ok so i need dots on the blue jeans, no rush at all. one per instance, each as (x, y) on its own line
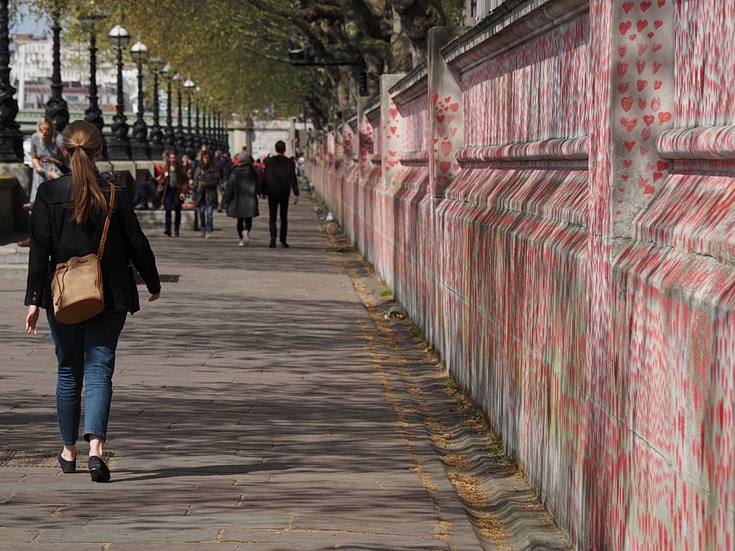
(209, 211)
(86, 354)
(169, 203)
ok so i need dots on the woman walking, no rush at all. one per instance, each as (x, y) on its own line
(46, 159)
(206, 181)
(241, 196)
(67, 221)
(173, 183)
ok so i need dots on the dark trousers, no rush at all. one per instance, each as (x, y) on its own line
(169, 205)
(244, 223)
(274, 204)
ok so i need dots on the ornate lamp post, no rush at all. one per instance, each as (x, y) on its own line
(156, 138)
(198, 135)
(169, 139)
(119, 147)
(56, 108)
(180, 136)
(11, 138)
(93, 113)
(189, 86)
(139, 51)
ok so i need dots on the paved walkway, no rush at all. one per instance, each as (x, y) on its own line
(263, 403)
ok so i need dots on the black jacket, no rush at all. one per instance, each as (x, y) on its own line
(55, 238)
(279, 177)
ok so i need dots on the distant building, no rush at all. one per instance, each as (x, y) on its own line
(31, 70)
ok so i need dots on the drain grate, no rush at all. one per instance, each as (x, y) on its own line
(38, 458)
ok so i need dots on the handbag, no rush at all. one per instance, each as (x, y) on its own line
(76, 286)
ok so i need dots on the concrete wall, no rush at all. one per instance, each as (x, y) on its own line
(550, 196)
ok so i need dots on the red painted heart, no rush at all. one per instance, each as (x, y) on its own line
(641, 24)
(625, 27)
(444, 166)
(661, 165)
(629, 146)
(627, 103)
(622, 69)
(628, 124)
(446, 148)
(664, 116)
(645, 6)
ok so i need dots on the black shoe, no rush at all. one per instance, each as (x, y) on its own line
(176, 234)
(67, 466)
(284, 245)
(273, 244)
(168, 233)
(98, 470)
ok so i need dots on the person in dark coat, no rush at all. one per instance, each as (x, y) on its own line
(279, 179)
(68, 220)
(241, 196)
(173, 183)
(206, 182)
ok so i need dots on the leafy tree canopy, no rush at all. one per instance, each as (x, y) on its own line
(236, 51)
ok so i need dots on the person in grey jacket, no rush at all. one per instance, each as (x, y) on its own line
(240, 197)
(206, 181)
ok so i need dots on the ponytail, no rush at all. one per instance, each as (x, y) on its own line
(82, 140)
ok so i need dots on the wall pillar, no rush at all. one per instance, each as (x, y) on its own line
(445, 109)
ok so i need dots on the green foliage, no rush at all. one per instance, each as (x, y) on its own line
(237, 52)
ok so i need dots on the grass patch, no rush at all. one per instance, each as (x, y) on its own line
(386, 293)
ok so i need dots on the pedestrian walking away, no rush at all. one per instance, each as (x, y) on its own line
(279, 179)
(240, 197)
(173, 183)
(206, 182)
(68, 218)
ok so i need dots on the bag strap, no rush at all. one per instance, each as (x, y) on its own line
(101, 248)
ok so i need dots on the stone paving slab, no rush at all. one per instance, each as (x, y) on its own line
(254, 408)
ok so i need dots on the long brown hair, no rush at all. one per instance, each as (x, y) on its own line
(82, 140)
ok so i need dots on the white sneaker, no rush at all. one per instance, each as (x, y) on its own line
(246, 239)
(203, 234)
(207, 236)
(241, 243)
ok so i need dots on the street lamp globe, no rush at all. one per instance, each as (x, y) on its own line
(139, 52)
(119, 37)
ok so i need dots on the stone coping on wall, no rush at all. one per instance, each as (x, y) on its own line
(372, 109)
(560, 149)
(506, 27)
(414, 84)
(414, 158)
(711, 143)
